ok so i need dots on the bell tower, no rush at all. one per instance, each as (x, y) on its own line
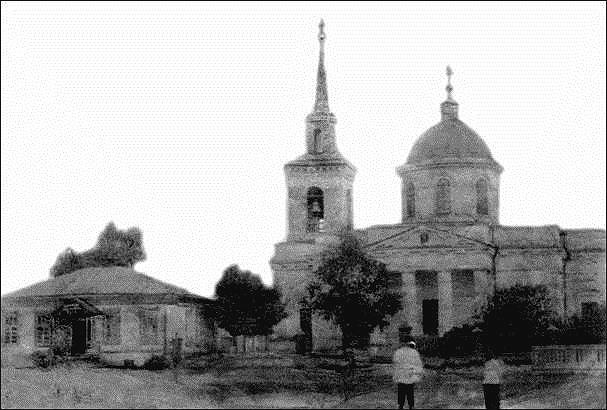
(319, 182)
(319, 209)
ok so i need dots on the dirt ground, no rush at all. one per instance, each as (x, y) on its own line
(84, 385)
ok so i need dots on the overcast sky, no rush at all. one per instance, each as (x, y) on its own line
(178, 118)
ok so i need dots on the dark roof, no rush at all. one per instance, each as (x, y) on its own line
(113, 280)
(450, 139)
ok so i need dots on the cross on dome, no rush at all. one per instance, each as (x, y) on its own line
(449, 87)
(321, 31)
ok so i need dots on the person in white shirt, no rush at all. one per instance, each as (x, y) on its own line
(493, 373)
(408, 369)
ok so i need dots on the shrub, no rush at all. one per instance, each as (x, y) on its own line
(427, 345)
(463, 340)
(43, 358)
(157, 362)
(300, 343)
(585, 329)
(517, 318)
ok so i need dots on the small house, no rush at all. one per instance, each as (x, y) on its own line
(123, 316)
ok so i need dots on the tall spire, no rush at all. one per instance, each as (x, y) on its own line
(322, 97)
(449, 107)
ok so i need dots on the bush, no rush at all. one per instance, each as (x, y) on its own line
(463, 340)
(585, 329)
(517, 318)
(300, 343)
(427, 345)
(43, 358)
(157, 362)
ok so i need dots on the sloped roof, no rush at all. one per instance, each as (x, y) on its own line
(113, 280)
(334, 158)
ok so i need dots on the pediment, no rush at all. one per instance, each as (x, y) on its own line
(425, 237)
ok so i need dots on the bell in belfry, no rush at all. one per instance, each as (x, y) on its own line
(321, 225)
(316, 207)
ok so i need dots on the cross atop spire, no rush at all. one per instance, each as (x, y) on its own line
(449, 107)
(321, 31)
(322, 98)
(449, 87)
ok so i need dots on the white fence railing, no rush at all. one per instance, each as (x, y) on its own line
(569, 358)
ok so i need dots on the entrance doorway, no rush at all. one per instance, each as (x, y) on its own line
(78, 337)
(430, 316)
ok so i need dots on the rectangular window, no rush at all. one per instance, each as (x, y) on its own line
(148, 326)
(463, 283)
(43, 330)
(111, 333)
(11, 327)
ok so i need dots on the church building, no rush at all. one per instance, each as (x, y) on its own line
(450, 248)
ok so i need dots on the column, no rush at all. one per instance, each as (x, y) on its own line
(481, 288)
(445, 301)
(410, 306)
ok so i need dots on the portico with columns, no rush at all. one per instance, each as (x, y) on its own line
(446, 278)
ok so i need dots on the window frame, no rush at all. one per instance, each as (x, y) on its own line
(149, 326)
(10, 321)
(443, 196)
(410, 200)
(112, 324)
(482, 197)
(43, 331)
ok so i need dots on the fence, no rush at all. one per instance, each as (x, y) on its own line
(569, 358)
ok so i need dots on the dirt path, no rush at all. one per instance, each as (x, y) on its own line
(91, 387)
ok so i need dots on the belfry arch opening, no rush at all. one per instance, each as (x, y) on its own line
(316, 209)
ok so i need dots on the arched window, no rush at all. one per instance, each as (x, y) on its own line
(443, 197)
(482, 200)
(410, 194)
(316, 209)
(317, 148)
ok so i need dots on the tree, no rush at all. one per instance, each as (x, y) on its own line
(355, 291)
(119, 247)
(68, 261)
(516, 318)
(114, 247)
(246, 306)
(271, 310)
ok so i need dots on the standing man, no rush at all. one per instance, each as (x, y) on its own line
(408, 369)
(493, 373)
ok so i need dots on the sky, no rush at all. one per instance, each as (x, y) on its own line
(178, 118)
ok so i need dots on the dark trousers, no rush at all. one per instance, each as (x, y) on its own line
(492, 396)
(405, 390)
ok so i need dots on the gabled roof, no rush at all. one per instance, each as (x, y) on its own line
(113, 280)
(409, 237)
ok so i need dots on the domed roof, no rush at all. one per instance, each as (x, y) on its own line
(449, 140)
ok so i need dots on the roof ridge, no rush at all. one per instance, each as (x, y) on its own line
(100, 280)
